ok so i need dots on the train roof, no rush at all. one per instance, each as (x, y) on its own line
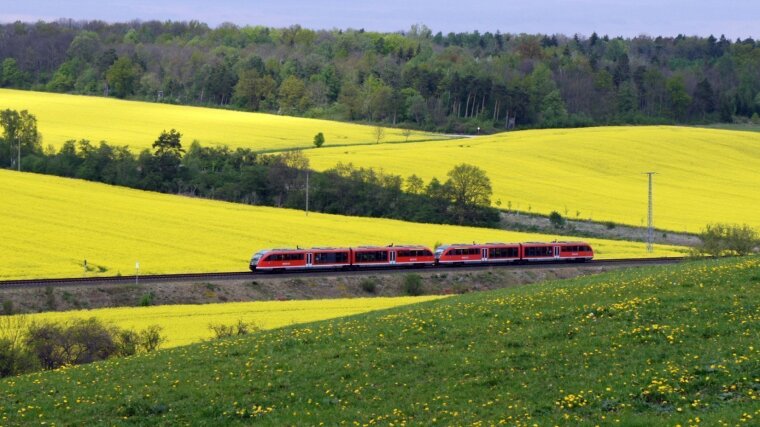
(479, 244)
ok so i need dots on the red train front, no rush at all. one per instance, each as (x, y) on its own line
(339, 258)
(298, 259)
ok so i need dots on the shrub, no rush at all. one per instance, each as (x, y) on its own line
(48, 345)
(413, 284)
(241, 328)
(81, 341)
(222, 331)
(7, 307)
(556, 220)
(728, 239)
(147, 299)
(319, 139)
(14, 360)
(369, 285)
(127, 342)
(151, 338)
(610, 225)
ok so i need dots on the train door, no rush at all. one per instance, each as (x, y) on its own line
(556, 252)
(392, 257)
(309, 259)
(484, 254)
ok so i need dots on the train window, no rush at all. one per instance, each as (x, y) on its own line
(373, 256)
(502, 253)
(331, 258)
(538, 251)
(405, 254)
(422, 252)
(586, 248)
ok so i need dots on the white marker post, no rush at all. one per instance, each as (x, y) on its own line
(137, 271)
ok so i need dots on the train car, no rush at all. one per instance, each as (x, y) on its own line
(384, 256)
(461, 253)
(301, 259)
(556, 251)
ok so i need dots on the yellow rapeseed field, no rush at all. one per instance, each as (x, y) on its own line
(50, 225)
(186, 324)
(138, 124)
(703, 175)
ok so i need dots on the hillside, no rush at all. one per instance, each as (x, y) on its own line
(53, 224)
(453, 82)
(703, 175)
(660, 346)
(138, 124)
(184, 324)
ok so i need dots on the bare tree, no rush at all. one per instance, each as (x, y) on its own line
(379, 133)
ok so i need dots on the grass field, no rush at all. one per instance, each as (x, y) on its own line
(50, 225)
(703, 175)
(668, 346)
(187, 324)
(138, 124)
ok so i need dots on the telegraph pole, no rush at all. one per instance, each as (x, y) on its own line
(307, 192)
(650, 218)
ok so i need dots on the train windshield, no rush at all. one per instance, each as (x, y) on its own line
(439, 251)
(257, 256)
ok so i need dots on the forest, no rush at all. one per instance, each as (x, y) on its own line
(457, 82)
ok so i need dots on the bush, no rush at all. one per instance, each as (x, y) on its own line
(147, 299)
(241, 328)
(151, 338)
(728, 239)
(557, 220)
(127, 342)
(7, 307)
(14, 360)
(369, 285)
(319, 139)
(49, 345)
(413, 284)
(82, 341)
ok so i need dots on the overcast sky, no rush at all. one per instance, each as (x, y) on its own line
(734, 18)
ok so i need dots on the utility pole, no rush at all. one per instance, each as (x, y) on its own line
(650, 218)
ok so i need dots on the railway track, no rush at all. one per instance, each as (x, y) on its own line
(238, 275)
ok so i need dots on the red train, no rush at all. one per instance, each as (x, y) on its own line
(418, 256)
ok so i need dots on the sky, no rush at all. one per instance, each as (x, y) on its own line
(628, 18)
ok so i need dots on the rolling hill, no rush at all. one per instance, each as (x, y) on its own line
(137, 124)
(673, 345)
(703, 175)
(50, 225)
(184, 324)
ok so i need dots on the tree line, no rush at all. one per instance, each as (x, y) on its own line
(457, 82)
(243, 176)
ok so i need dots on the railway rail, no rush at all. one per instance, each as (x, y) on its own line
(240, 275)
